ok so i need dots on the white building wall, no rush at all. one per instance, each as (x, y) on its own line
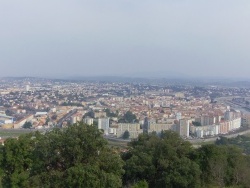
(88, 121)
(222, 128)
(103, 123)
(133, 128)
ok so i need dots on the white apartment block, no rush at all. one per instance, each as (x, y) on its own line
(133, 128)
(103, 123)
(183, 127)
(158, 127)
(88, 121)
(220, 128)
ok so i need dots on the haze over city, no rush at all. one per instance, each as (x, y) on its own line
(125, 93)
(123, 38)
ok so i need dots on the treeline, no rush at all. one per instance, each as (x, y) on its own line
(169, 161)
(79, 156)
(241, 141)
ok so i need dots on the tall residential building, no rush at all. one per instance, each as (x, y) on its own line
(223, 127)
(150, 125)
(75, 118)
(88, 121)
(229, 115)
(178, 116)
(103, 123)
(158, 127)
(208, 120)
(147, 123)
(183, 128)
(133, 129)
(27, 87)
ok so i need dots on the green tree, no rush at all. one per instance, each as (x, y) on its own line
(54, 117)
(128, 117)
(237, 168)
(141, 184)
(16, 161)
(126, 135)
(77, 156)
(47, 121)
(161, 161)
(95, 123)
(222, 141)
(223, 166)
(109, 113)
(89, 114)
(9, 112)
(79, 150)
(27, 125)
(196, 123)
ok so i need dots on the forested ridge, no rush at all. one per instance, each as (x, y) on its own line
(79, 156)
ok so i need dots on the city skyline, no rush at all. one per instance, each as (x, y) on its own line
(125, 38)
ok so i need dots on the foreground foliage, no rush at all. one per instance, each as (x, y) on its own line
(169, 161)
(240, 141)
(74, 157)
(79, 156)
(162, 161)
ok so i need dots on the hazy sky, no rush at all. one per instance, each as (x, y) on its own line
(123, 37)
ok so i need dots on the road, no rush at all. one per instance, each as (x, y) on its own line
(59, 123)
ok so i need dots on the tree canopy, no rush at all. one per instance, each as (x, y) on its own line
(161, 161)
(223, 166)
(27, 125)
(169, 161)
(126, 135)
(128, 117)
(196, 123)
(241, 141)
(110, 114)
(77, 156)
